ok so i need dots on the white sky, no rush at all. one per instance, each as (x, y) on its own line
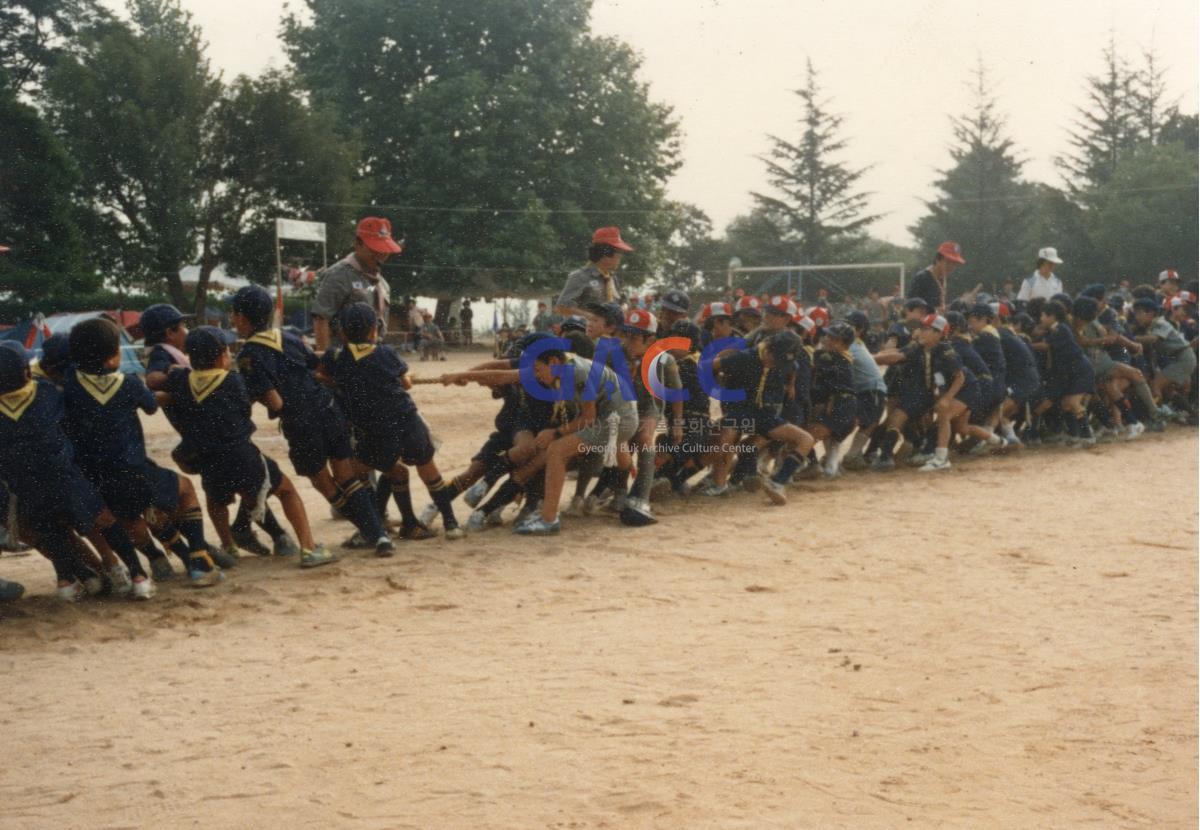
(894, 68)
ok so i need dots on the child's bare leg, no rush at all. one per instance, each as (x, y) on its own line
(557, 456)
(293, 508)
(219, 513)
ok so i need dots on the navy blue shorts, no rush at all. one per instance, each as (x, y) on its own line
(65, 497)
(314, 442)
(409, 444)
(751, 420)
(969, 395)
(869, 409)
(239, 470)
(1024, 389)
(839, 416)
(915, 401)
(497, 443)
(797, 412)
(130, 492)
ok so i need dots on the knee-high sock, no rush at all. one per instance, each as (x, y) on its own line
(645, 473)
(172, 539)
(887, 444)
(356, 500)
(191, 525)
(443, 496)
(383, 492)
(505, 494)
(119, 541)
(403, 499)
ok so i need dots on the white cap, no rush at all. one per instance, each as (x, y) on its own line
(1168, 275)
(1050, 255)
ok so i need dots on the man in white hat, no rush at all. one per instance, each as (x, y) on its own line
(1042, 282)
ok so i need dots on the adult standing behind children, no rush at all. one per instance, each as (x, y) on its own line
(1042, 282)
(929, 284)
(356, 279)
(597, 281)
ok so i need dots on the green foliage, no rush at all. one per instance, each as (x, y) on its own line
(34, 33)
(133, 109)
(817, 210)
(37, 216)
(496, 135)
(982, 203)
(1145, 218)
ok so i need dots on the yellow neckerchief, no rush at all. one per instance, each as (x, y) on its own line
(14, 403)
(762, 380)
(692, 357)
(610, 291)
(101, 387)
(271, 338)
(360, 350)
(36, 370)
(203, 382)
(928, 366)
(989, 329)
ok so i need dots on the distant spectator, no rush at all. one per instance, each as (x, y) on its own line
(929, 284)
(543, 319)
(1042, 282)
(431, 338)
(466, 316)
(876, 312)
(415, 320)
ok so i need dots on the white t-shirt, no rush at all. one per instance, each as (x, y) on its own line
(1036, 285)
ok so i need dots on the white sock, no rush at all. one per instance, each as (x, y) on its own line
(1008, 432)
(858, 442)
(995, 439)
(941, 453)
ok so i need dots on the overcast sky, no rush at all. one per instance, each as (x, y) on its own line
(894, 68)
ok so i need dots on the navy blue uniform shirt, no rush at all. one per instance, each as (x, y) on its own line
(102, 419)
(212, 409)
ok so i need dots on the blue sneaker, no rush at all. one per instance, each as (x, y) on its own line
(538, 526)
(204, 579)
(10, 591)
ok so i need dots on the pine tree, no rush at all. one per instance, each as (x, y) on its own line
(1108, 128)
(822, 215)
(982, 202)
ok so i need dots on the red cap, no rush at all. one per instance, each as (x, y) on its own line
(640, 321)
(805, 323)
(750, 303)
(376, 234)
(610, 236)
(782, 305)
(951, 251)
(819, 315)
(716, 310)
(936, 322)
(1003, 310)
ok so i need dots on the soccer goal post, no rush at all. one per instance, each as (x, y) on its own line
(797, 272)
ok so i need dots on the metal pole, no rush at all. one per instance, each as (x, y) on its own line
(278, 279)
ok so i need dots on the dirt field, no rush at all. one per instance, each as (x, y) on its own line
(1012, 643)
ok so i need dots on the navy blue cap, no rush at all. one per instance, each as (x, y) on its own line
(610, 313)
(156, 320)
(688, 329)
(255, 304)
(676, 301)
(205, 344)
(1145, 304)
(841, 331)
(56, 351)
(13, 367)
(956, 320)
(981, 310)
(784, 345)
(573, 323)
(858, 319)
(1095, 291)
(1065, 299)
(1085, 308)
(356, 321)
(900, 332)
(1116, 302)
(518, 348)
(915, 302)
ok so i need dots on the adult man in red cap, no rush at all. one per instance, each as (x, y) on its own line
(929, 284)
(595, 282)
(356, 279)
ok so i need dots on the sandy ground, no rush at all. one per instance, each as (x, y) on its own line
(1012, 643)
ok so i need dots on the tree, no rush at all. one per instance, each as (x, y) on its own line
(1107, 129)
(495, 135)
(268, 155)
(37, 216)
(33, 33)
(1145, 218)
(818, 207)
(982, 203)
(133, 110)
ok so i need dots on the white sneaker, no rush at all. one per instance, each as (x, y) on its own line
(144, 589)
(934, 464)
(70, 593)
(1134, 431)
(93, 585)
(576, 507)
(475, 493)
(428, 514)
(118, 577)
(917, 459)
(775, 491)
(476, 522)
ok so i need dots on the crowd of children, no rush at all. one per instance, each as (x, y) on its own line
(771, 393)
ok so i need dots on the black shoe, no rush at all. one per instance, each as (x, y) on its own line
(161, 570)
(247, 540)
